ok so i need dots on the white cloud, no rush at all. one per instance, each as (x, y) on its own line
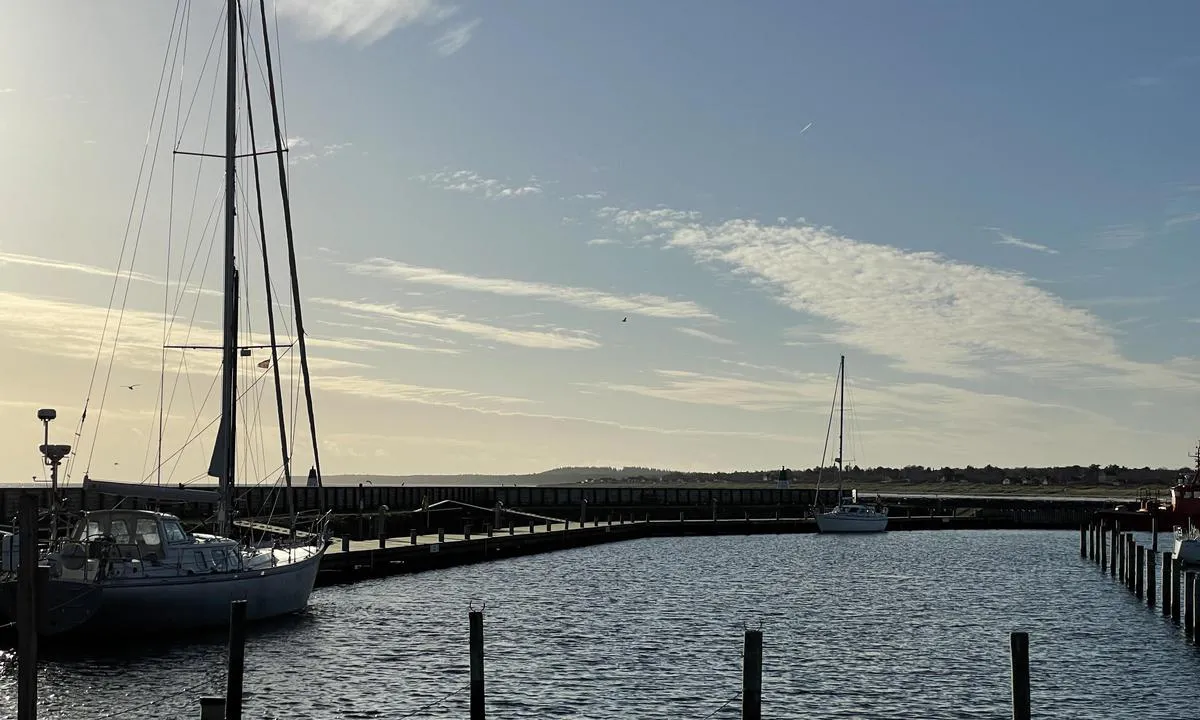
(7, 90)
(1006, 239)
(697, 333)
(548, 339)
(928, 313)
(601, 241)
(648, 225)
(468, 181)
(296, 142)
(367, 344)
(642, 304)
(362, 20)
(454, 39)
(597, 195)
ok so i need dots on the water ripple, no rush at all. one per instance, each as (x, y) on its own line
(903, 625)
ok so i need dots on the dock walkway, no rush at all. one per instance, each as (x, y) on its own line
(348, 560)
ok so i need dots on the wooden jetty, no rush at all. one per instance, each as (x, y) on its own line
(1111, 546)
(350, 559)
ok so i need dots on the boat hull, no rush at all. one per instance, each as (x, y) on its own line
(835, 522)
(187, 603)
(1187, 551)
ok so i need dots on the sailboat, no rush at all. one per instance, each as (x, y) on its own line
(847, 517)
(136, 571)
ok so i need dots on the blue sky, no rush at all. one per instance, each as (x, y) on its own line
(990, 209)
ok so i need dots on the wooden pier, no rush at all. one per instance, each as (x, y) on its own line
(349, 559)
(1105, 542)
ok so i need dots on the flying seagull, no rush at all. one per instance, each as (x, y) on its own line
(133, 385)
(624, 318)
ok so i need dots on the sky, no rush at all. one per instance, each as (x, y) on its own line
(535, 234)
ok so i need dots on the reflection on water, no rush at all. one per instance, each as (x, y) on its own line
(901, 625)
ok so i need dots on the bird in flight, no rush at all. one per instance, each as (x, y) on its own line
(624, 318)
(133, 385)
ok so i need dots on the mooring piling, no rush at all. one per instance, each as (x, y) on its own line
(1019, 646)
(752, 676)
(27, 614)
(237, 660)
(476, 639)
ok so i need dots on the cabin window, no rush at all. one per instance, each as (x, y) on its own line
(120, 531)
(174, 532)
(201, 562)
(220, 561)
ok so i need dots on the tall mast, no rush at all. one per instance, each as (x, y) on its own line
(841, 423)
(225, 432)
(287, 226)
(262, 235)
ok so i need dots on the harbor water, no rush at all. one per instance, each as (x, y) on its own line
(899, 625)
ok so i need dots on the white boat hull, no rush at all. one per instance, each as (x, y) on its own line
(845, 522)
(1187, 550)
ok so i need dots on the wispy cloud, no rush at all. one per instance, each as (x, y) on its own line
(1184, 219)
(1118, 237)
(1006, 239)
(601, 241)
(468, 181)
(547, 339)
(697, 333)
(7, 258)
(648, 225)
(456, 38)
(1147, 81)
(642, 304)
(296, 142)
(925, 312)
(7, 90)
(368, 344)
(362, 20)
(597, 195)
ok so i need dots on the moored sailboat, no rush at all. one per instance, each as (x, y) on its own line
(135, 571)
(847, 517)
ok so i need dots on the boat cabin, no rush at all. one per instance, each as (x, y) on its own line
(144, 543)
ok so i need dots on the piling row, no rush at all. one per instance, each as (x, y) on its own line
(1117, 553)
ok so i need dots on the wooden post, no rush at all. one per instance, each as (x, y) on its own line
(345, 543)
(1019, 644)
(1119, 556)
(441, 535)
(1175, 572)
(382, 541)
(1112, 551)
(582, 513)
(1083, 540)
(1189, 603)
(1130, 559)
(27, 635)
(1103, 548)
(1140, 580)
(412, 536)
(487, 527)
(566, 524)
(467, 532)
(212, 708)
(512, 529)
(530, 527)
(237, 660)
(1154, 533)
(680, 516)
(476, 665)
(1166, 584)
(752, 676)
(1150, 575)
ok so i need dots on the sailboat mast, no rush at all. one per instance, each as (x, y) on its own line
(841, 423)
(291, 247)
(225, 433)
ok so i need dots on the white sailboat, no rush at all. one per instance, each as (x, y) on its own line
(847, 517)
(136, 571)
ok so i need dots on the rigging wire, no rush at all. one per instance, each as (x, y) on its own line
(120, 262)
(829, 427)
